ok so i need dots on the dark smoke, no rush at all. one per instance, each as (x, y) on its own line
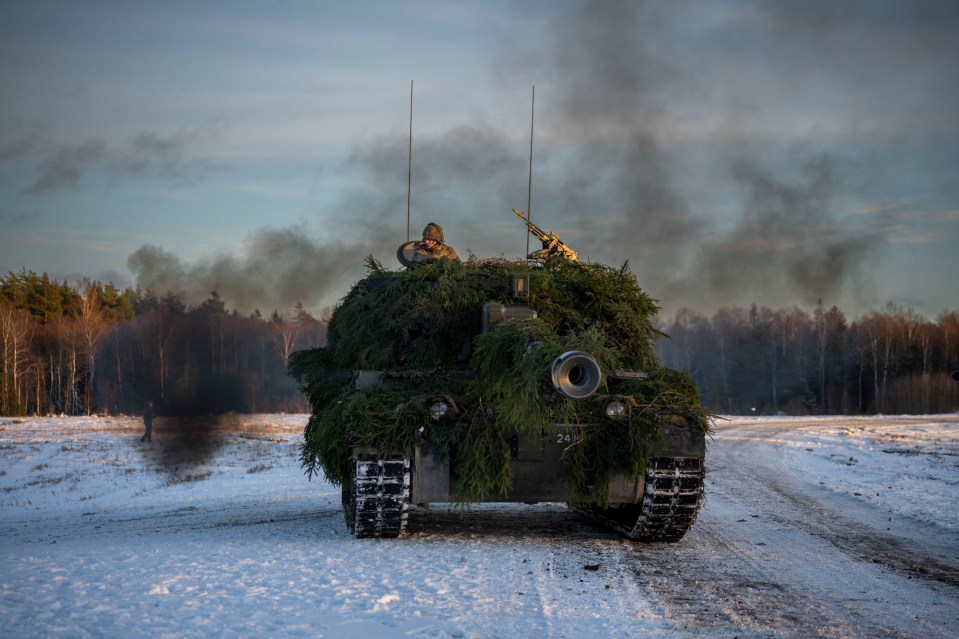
(614, 174)
(788, 242)
(62, 165)
(182, 444)
(185, 445)
(619, 190)
(606, 179)
(276, 269)
(467, 179)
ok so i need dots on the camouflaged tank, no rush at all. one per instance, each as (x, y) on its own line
(503, 381)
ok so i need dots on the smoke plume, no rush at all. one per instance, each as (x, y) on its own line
(624, 170)
(275, 269)
(622, 187)
(278, 267)
(61, 166)
(788, 244)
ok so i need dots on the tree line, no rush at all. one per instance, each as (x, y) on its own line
(93, 348)
(770, 361)
(96, 349)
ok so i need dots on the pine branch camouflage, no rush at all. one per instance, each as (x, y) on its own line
(420, 328)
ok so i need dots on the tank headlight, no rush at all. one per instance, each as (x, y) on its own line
(615, 409)
(439, 410)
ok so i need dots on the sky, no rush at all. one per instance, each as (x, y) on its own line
(732, 151)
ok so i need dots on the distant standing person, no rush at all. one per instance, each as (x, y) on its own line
(148, 423)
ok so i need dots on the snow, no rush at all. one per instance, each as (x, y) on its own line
(102, 536)
(905, 465)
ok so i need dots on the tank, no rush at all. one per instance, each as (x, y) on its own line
(497, 380)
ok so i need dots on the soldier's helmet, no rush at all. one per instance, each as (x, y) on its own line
(433, 231)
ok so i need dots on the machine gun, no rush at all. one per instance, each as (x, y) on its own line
(552, 245)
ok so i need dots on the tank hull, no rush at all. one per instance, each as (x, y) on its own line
(539, 472)
(661, 505)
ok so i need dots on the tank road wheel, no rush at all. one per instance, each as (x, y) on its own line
(375, 498)
(671, 499)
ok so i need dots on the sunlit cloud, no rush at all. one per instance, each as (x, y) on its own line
(55, 239)
(883, 206)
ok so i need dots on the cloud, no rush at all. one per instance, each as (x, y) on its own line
(65, 239)
(883, 206)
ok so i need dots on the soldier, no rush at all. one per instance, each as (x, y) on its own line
(432, 247)
(148, 423)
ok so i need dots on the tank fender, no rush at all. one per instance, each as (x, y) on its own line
(683, 442)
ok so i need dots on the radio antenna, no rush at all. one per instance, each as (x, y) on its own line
(409, 175)
(529, 191)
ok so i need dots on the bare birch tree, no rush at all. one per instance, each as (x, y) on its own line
(15, 328)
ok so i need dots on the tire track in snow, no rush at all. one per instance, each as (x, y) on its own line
(720, 581)
(751, 566)
(566, 576)
(851, 526)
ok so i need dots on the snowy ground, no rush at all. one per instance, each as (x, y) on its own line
(836, 527)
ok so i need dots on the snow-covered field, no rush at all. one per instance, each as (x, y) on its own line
(811, 527)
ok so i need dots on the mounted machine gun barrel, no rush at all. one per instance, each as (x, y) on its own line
(552, 245)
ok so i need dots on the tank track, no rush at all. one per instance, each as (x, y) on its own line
(671, 499)
(375, 499)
